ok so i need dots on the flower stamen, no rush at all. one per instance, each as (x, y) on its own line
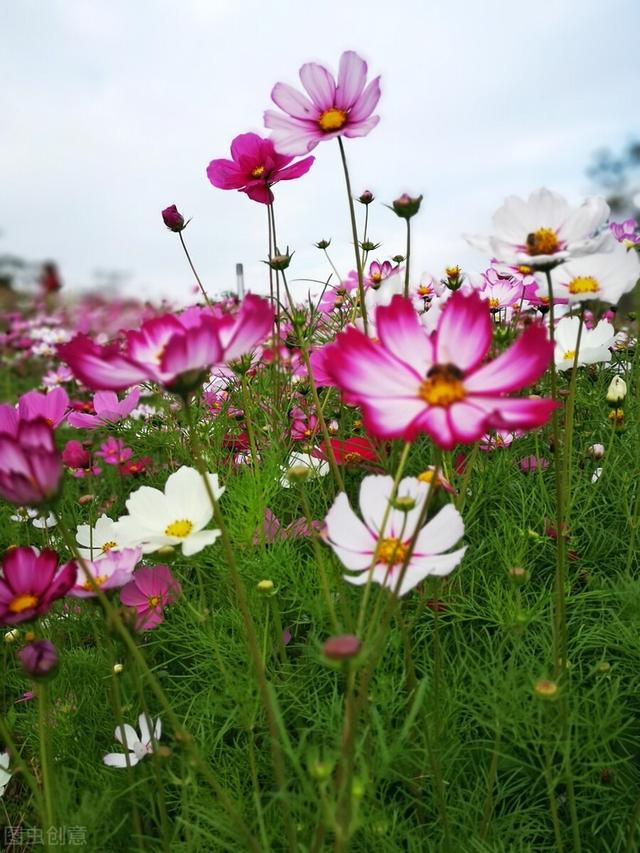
(443, 385)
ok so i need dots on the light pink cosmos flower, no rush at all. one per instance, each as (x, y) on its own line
(113, 570)
(255, 167)
(331, 109)
(114, 452)
(173, 350)
(359, 545)
(149, 592)
(412, 381)
(108, 410)
(52, 407)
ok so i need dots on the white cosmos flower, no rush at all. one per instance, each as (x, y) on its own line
(358, 545)
(544, 229)
(594, 343)
(314, 466)
(97, 541)
(23, 514)
(5, 774)
(176, 516)
(605, 276)
(138, 747)
(43, 522)
(596, 475)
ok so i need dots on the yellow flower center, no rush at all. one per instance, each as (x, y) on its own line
(424, 290)
(332, 119)
(443, 385)
(352, 457)
(452, 272)
(180, 528)
(391, 551)
(569, 355)
(584, 284)
(258, 172)
(98, 581)
(375, 276)
(154, 601)
(494, 303)
(108, 546)
(544, 241)
(524, 269)
(23, 602)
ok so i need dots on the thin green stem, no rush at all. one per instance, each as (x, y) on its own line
(407, 259)
(193, 269)
(44, 728)
(354, 232)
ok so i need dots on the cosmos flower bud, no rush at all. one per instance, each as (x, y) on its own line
(39, 659)
(323, 244)
(280, 261)
(596, 451)
(404, 504)
(406, 206)
(616, 391)
(173, 219)
(265, 587)
(74, 455)
(545, 689)
(398, 259)
(117, 668)
(298, 473)
(453, 277)
(11, 636)
(518, 575)
(342, 647)
(369, 246)
(366, 197)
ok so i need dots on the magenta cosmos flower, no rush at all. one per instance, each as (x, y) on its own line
(31, 582)
(255, 166)
(331, 109)
(30, 465)
(173, 350)
(411, 382)
(150, 590)
(51, 406)
(108, 410)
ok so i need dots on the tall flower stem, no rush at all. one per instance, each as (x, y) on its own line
(407, 259)
(181, 735)
(354, 232)
(193, 269)
(246, 404)
(266, 695)
(304, 351)
(44, 728)
(319, 556)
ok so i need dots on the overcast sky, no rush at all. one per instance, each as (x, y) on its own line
(110, 110)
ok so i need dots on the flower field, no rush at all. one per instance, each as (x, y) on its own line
(355, 571)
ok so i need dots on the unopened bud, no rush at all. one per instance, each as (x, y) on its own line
(11, 636)
(280, 261)
(320, 770)
(265, 586)
(117, 668)
(406, 206)
(616, 391)
(166, 550)
(596, 451)
(342, 647)
(298, 473)
(173, 219)
(366, 197)
(323, 244)
(453, 277)
(369, 246)
(604, 667)
(39, 659)
(404, 504)
(83, 500)
(545, 689)
(518, 575)
(398, 259)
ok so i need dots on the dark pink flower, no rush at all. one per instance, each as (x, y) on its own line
(75, 456)
(327, 110)
(411, 382)
(149, 592)
(31, 582)
(108, 410)
(52, 407)
(114, 452)
(39, 659)
(255, 166)
(30, 465)
(173, 350)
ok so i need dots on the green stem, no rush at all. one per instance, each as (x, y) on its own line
(193, 269)
(407, 260)
(44, 728)
(354, 232)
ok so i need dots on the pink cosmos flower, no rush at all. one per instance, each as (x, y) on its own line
(372, 551)
(150, 590)
(173, 350)
(626, 232)
(52, 407)
(412, 382)
(114, 452)
(57, 376)
(108, 410)
(274, 531)
(331, 109)
(30, 465)
(31, 582)
(114, 569)
(255, 167)
(379, 271)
